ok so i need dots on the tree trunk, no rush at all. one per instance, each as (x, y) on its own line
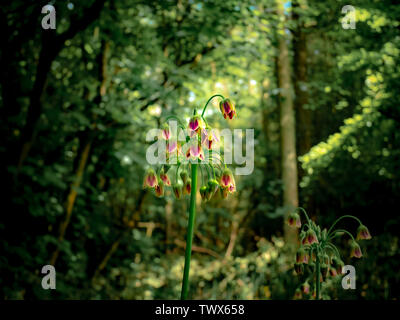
(288, 129)
(304, 121)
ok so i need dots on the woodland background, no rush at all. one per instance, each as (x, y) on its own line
(76, 103)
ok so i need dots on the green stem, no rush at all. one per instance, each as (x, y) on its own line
(318, 275)
(342, 217)
(205, 107)
(334, 234)
(190, 230)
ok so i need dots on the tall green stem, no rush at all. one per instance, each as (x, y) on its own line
(190, 230)
(318, 275)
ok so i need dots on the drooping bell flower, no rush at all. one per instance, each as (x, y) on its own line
(333, 272)
(213, 186)
(227, 108)
(195, 152)
(299, 268)
(324, 270)
(294, 220)
(306, 287)
(172, 146)
(165, 179)
(184, 176)
(150, 179)
(363, 233)
(297, 294)
(166, 132)
(187, 188)
(208, 136)
(203, 193)
(209, 194)
(302, 256)
(159, 189)
(195, 125)
(227, 178)
(177, 188)
(355, 250)
(311, 237)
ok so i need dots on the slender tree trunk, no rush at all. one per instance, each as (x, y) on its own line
(304, 120)
(288, 127)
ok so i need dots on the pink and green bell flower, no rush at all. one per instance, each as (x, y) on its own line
(177, 189)
(194, 152)
(195, 125)
(159, 189)
(294, 220)
(208, 136)
(187, 188)
(165, 179)
(150, 179)
(355, 250)
(363, 233)
(166, 132)
(311, 237)
(227, 179)
(227, 108)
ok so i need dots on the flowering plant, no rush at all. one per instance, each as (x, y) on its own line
(196, 149)
(318, 251)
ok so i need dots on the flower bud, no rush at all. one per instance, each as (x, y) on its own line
(203, 193)
(177, 188)
(187, 186)
(184, 176)
(213, 186)
(363, 233)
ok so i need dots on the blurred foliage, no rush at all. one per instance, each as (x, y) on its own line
(118, 73)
